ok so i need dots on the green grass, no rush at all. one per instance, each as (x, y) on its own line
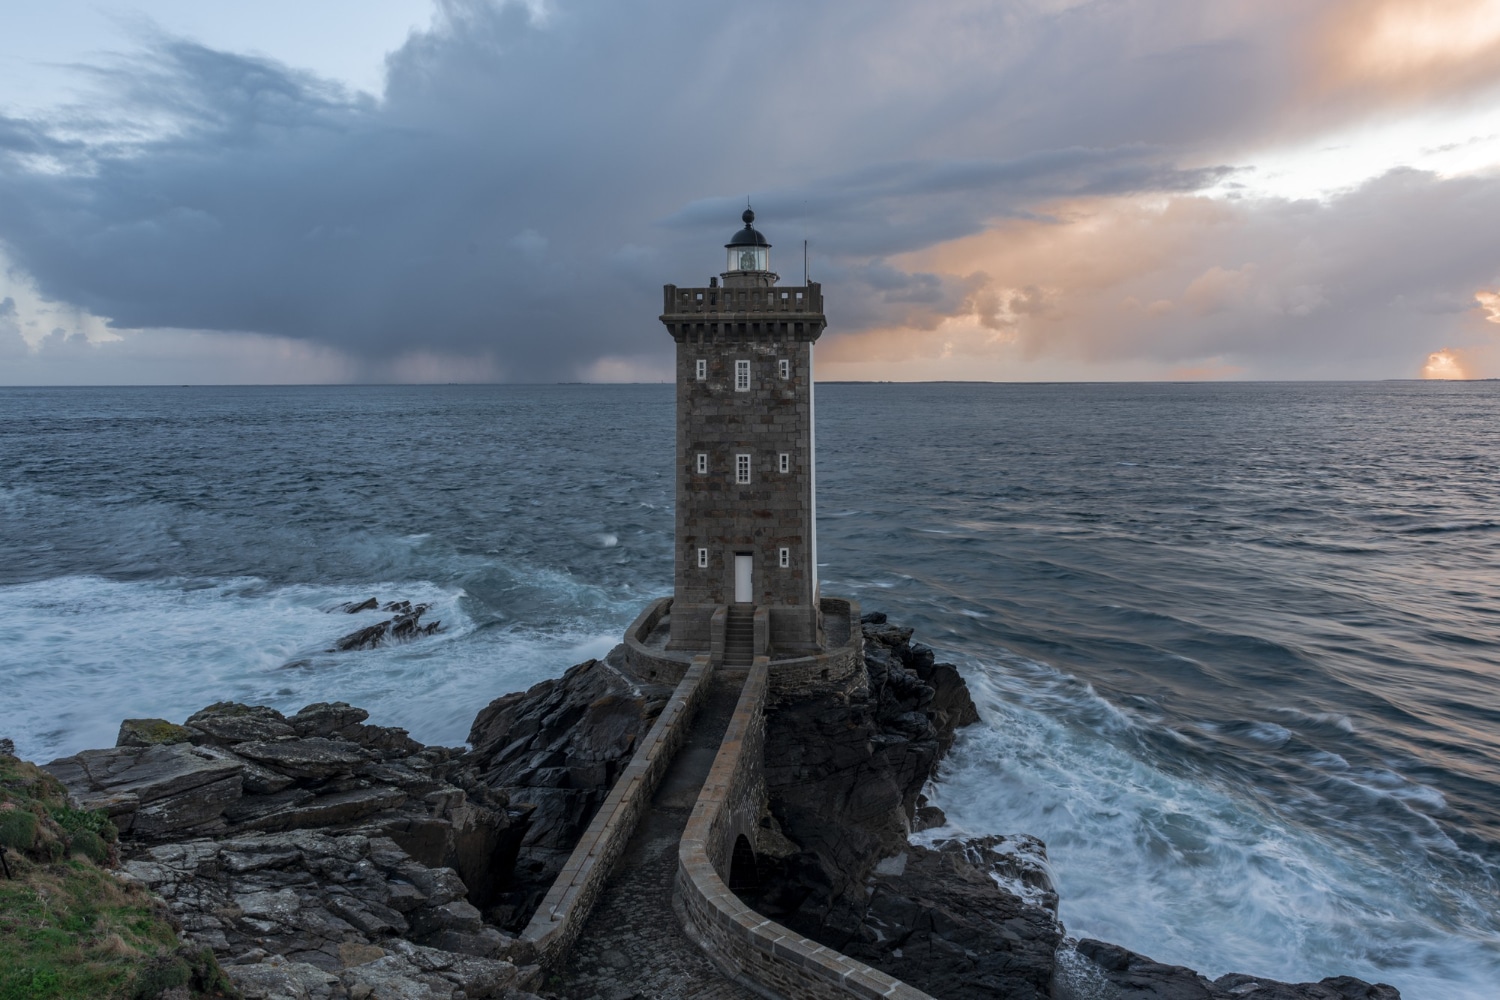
(69, 929)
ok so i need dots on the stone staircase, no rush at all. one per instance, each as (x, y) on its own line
(739, 636)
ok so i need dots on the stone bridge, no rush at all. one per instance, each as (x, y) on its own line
(645, 904)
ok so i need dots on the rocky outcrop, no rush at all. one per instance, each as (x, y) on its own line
(844, 772)
(320, 856)
(405, 626)
(316, 855)
(231, 769)
(962, 919)
(1136, 977)
(555, 750)
(844, 775)
(309, 913)
(939, 919)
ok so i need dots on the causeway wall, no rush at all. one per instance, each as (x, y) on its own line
(745, 944)
(566, 907)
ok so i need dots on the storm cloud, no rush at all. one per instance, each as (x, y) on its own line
(511, 203)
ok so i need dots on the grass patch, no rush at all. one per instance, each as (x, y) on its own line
(68, 928)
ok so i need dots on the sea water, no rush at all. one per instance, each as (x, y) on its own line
(1236, 647)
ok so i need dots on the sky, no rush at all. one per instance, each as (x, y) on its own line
(330, 191)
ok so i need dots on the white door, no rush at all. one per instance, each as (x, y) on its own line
(744, 589)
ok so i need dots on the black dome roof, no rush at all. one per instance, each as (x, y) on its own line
(749, 236)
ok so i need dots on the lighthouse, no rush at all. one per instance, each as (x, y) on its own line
(746, 482)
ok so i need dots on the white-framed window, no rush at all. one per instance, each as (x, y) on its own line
(784, 368)
(742, 376)
(742, 468)
(784, 462)
(784, 557)
(702, 462)
(703, 559)
(700, 368)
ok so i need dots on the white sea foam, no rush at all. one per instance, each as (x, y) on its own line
(78, 654)
(1191, 873)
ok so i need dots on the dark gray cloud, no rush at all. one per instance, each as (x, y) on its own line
(522, 188)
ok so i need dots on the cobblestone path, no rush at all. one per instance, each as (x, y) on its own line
(633, 945)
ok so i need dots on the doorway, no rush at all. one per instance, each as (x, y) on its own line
(744, 582)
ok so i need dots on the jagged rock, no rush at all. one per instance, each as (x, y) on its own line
(355, 607)
(402, 628)
(844, 772)
(281, 980)
(273, 906)
(151, 791)
(554, 751)
(937, 919)
(229, 722)
(1136, 977)
(150, 732)
(327, 718)
(316, 757)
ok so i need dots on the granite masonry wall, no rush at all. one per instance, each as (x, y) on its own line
(566, 907)
(772, 417)
(834, 670)
(746, 945)
(649, 658)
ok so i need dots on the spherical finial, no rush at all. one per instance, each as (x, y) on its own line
(749, 216)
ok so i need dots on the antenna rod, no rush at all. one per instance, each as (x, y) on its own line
(805, 280)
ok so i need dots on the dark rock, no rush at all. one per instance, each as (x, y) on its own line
(844, 772)
(151, 791)
(407, 625)
(365, 638)
(1136, 977)
(229, 730)
(315, 757)
(337, 809)
(355, 607)
(150, 732)
(327, 718)
(234, 710)
(551, 754)
(936, 919)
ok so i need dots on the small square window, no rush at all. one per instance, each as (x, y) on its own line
(785, 462)
(702, 462)
(702, 369)
(784, 368)
(742, 468)
(742, 376)
(703, 559)
(784, 557)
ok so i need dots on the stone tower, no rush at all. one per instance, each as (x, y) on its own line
(746, 489)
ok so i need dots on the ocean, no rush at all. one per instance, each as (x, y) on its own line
(1236, 646)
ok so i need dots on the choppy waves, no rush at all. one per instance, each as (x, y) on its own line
(1175, 862)
(81, 653)
(1237, 647)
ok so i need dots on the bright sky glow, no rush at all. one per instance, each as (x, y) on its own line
(1449, 145)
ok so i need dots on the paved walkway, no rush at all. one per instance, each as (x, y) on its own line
(633, 945)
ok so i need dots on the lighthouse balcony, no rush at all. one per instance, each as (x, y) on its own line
(701, 301)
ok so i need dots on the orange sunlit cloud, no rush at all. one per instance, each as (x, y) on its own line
(1406, 50)
(1105, 280)
(1490, 303)
(1447, 363)
(1189, 286)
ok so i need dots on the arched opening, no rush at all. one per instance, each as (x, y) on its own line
(743, 878)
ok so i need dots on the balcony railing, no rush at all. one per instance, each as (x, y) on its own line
(699, 301)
